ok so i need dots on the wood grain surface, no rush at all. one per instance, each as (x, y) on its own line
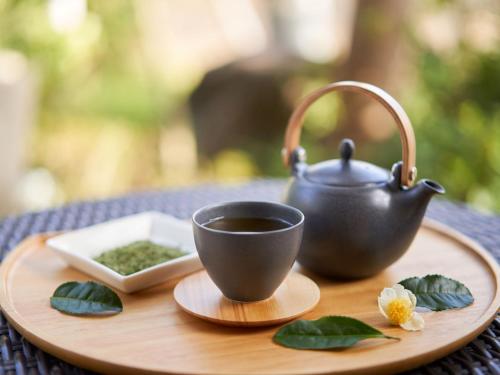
(153, 335)
(197, 295)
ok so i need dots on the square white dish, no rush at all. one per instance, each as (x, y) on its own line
(78, 248)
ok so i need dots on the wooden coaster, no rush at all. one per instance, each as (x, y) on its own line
(197, 295)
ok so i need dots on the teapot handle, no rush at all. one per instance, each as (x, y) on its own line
(292, 135)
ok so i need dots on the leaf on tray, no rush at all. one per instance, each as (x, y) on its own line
(87, 298)
(438, 293)
(329, 332)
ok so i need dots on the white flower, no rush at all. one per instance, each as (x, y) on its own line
(397, 304)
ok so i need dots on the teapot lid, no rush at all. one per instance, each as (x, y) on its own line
(345, 171)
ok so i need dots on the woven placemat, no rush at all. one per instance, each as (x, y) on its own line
(17, 356)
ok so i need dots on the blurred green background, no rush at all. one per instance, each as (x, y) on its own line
(106, 97)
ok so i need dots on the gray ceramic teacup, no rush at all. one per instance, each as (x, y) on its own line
(248, 266)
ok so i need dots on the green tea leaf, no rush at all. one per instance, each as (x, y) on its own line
(87, 298)
(137, 256)
(329, 332)
(438, 293)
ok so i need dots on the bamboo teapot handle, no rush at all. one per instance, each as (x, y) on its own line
(407, 136)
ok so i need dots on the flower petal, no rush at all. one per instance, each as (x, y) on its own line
(400, 290)
(386, 296)
(381, 307)
(416, 323)
(413, 299)
(404, 293)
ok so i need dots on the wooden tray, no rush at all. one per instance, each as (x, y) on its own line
(153, 335)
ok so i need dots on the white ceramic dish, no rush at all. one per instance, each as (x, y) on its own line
(78, 248)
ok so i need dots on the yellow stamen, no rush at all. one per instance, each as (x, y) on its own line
(399, 311)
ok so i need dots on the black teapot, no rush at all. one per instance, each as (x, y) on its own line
(359, 218)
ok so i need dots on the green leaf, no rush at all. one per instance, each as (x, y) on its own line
(329, 332)
(88, 298)
(438, 293)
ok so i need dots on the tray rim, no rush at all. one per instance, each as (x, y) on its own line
(90, 363)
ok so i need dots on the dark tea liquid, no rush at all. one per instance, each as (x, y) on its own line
(247, 224)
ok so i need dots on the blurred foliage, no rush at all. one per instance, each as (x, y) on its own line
(101, 109)
(455, 108)
(97, 71)
(105, 111)
(453, 101)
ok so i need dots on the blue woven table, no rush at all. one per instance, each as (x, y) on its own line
(17, 356)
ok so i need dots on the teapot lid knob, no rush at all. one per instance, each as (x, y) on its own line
(346, 149)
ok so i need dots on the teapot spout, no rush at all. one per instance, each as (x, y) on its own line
(425, 189)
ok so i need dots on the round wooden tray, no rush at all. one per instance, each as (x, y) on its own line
(153, 335)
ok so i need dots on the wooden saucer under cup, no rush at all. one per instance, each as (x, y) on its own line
(199, 296)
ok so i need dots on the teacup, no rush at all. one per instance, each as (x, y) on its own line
(248, 265)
